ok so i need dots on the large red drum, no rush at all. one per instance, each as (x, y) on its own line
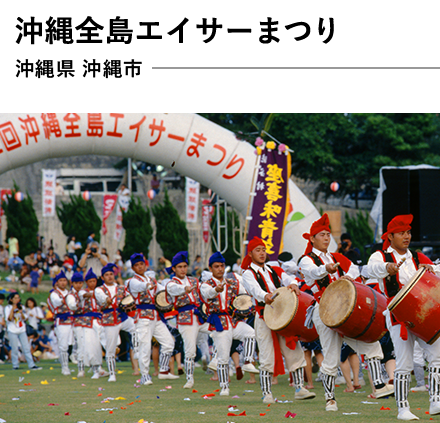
(354, 310)
(286, 315)
(417, 305)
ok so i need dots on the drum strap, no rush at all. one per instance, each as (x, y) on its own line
(325, 281)
(262, 282)
(392, 283)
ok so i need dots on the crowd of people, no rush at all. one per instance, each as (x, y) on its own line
(218, 316)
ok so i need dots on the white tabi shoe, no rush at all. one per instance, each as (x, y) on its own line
(112, 378)
(250, 368)
(167, 376)
(268, 399)
(65, 372)
(434, 408)
(213, 365)
(303, 393)
(405, 414)
(146, 380)
(385, 391)
(81, 374)
(95, 376)
(189, 384)
(422, 388)
(224, 392)
(331, 405)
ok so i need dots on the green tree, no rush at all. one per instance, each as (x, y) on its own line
(22, 222)
(351, 148)
(138, 231)
(171, 232)
(78, 218)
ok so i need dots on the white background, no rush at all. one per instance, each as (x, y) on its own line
(367, 34)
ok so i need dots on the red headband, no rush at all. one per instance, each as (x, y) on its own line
(253, 243)
(322, 224)
(400, 223)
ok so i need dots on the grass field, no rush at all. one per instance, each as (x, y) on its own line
(82, 398)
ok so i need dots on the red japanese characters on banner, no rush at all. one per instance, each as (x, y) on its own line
(109, 204)
(48, 191)
(207, 212)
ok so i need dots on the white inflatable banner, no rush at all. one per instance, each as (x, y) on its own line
(191, 145)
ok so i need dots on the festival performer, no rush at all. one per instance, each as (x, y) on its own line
(148, 321)
(395, 266)
(260, 281)
(219, 294)
(62, 318)
(320, 268)
(73, 301)
(109, 296)
(185, 292)
(92, 328)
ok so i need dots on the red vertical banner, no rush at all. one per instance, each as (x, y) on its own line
(269, 207)
(109, 204)
(207, 211)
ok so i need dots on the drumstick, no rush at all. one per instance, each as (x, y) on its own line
(337, 265)
(401, 262)
(274, 295)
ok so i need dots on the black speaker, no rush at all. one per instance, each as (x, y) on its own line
(415, 191)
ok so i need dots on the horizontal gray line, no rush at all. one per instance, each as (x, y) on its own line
(295, 68)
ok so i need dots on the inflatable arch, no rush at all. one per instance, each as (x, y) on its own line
(190, 144)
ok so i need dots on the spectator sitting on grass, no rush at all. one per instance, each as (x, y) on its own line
(15, 263)
(52, 259)
(25, 276)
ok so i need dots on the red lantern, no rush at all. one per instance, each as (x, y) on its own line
(86, 195)
(151, 194)
(19, 196)
(334, 186)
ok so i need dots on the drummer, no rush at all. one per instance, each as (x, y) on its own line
(260, 281)
(109, 296)
(394, 273)
(320, 268)
(186, 296)
(219, 294)
(148, 322)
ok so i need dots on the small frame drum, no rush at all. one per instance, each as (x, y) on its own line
(161, 300)
(354, 310)
(128, 305)
(286, 315)
(417, 305)
(241, 306)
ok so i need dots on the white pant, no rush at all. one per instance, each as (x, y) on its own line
(92, 346)
(111, 339)
(146, 329)
(405, 349)
(331, 343)
(189, 335)
(294, 358)
(78, 334)
(64, 335)
(223, 340)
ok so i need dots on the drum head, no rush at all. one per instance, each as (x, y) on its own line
(280, 313)
(337, 303)
(128, 299)
(161, 299)
(404, 291)
(242, 302)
